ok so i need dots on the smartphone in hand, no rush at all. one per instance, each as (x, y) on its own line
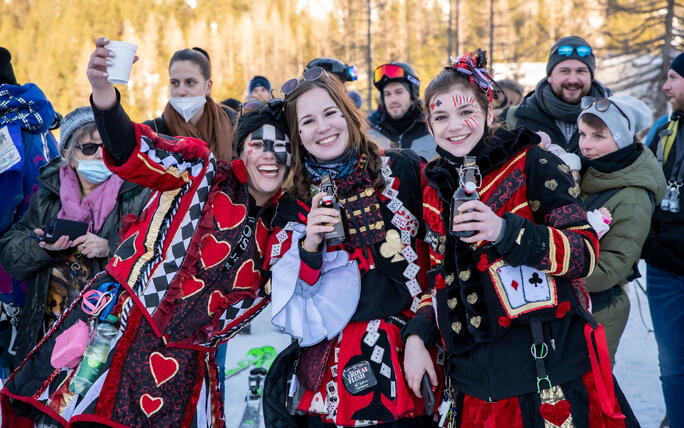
(428, 395)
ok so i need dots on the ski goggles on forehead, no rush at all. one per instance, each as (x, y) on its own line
(566, 50)
(309, 75)
(89, 149)
(602, 105)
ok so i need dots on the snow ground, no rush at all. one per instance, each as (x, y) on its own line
(636, 364)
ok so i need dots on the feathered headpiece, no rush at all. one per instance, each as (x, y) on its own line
(474, 65)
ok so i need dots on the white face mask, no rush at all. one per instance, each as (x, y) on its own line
(188, 106)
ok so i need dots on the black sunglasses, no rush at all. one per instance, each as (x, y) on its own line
(309, 75)
(256, 105)
(89, 149)
(602, 105)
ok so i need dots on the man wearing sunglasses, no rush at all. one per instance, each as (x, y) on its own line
(664, 250)
(399, 116)
(553, 107)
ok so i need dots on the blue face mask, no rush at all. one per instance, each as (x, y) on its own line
(94, 171)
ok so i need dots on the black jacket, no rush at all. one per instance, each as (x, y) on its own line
(664, 247)
(415, 136)
(23, 259)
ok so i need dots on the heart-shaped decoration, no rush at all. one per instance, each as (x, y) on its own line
(261, 236)
(215, 302)
(574, 191)
(557, 413)
(213, 251)
(451, 303)
(534, 205)
(163, 368)
(464, 275)
(471, 298)
(562, 308)
(191, 286)
(543, 161)
(227, 214)
(449, 279)
(551, 184)
(564, 168)
(456, 326)
(247, 277)
(150, 405)
(476, 321)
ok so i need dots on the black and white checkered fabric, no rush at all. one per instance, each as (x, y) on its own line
(152, 290)
(233, 313)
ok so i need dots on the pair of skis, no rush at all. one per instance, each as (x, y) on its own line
(260, 359)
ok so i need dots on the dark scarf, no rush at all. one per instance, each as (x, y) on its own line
(337, 168)
(612, 162)
(403, 123)
(550, 104)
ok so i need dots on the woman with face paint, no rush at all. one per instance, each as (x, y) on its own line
(76, 186)
(187, 276)
(346, 262)
(505, 297)
(191, 111)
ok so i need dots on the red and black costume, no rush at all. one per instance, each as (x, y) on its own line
(190, 268)
(511, 314)
(355, 376)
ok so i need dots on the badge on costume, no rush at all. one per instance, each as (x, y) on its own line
(358, 377)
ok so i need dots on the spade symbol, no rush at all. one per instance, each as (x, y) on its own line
(535, 280)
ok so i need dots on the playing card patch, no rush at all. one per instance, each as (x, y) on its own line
(522, 289)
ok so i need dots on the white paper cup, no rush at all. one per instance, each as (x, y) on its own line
(120, 70)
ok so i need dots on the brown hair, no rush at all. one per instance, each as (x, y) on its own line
(298, 180)
(593, 121)
(197, 56)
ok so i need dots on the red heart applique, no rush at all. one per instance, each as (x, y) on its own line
(163, 368)
(555, 413)
(562, 308)
(150, 405)
(213, 252)
(215, 302)
(247, 276)
(515, 285)
(504, 321)
(261, 236)
(483, 263)
(191, 286)
(227, 214)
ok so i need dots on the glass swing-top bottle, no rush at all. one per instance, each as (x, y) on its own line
(469, 180)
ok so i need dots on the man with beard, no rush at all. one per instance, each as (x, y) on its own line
(664, 250)
(399, 116)
(553, 107)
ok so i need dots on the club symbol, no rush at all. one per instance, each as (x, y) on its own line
(535, 280)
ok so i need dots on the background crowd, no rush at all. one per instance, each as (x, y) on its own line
(630, 189)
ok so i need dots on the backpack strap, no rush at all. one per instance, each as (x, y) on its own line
(596, 200)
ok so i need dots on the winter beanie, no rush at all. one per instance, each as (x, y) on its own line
(574, 42)
(271, 113)
(678, 64)
(259, 81)
(622, 131)
(356, 98)
(6, 70)
(71, 122)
